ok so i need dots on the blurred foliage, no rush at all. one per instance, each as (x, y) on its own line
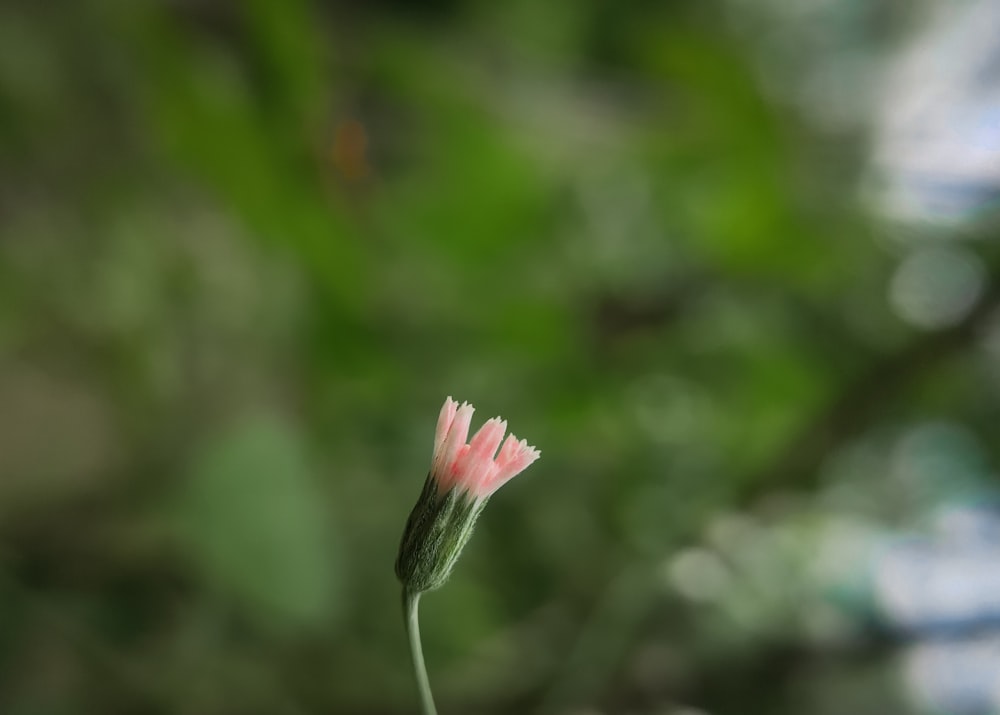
(246, 250)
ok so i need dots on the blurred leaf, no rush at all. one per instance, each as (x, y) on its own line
(291, 45)
(253, 518)
(214, 116)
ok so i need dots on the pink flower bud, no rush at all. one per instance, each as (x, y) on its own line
(471, 467)
(463, 476)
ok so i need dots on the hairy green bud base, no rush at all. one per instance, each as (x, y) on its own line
(436, 532)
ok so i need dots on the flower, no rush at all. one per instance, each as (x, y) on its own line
(462, 478)
(471, 467)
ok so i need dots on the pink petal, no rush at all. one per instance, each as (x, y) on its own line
(457, 434)
(507, 452)
(476, 465)
(445, 419)
(488, 438)
(516, 457)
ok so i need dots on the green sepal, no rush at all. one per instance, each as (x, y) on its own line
(436, 532)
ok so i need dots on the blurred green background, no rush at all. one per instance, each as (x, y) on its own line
(248, 248)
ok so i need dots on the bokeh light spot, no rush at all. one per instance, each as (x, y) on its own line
(936, 287)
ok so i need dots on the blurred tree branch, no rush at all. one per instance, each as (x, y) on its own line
(864, 397)
(620, 612)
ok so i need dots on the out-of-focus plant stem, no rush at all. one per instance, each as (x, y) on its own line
(412, 619)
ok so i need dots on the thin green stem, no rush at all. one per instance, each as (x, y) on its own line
(410, 601)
